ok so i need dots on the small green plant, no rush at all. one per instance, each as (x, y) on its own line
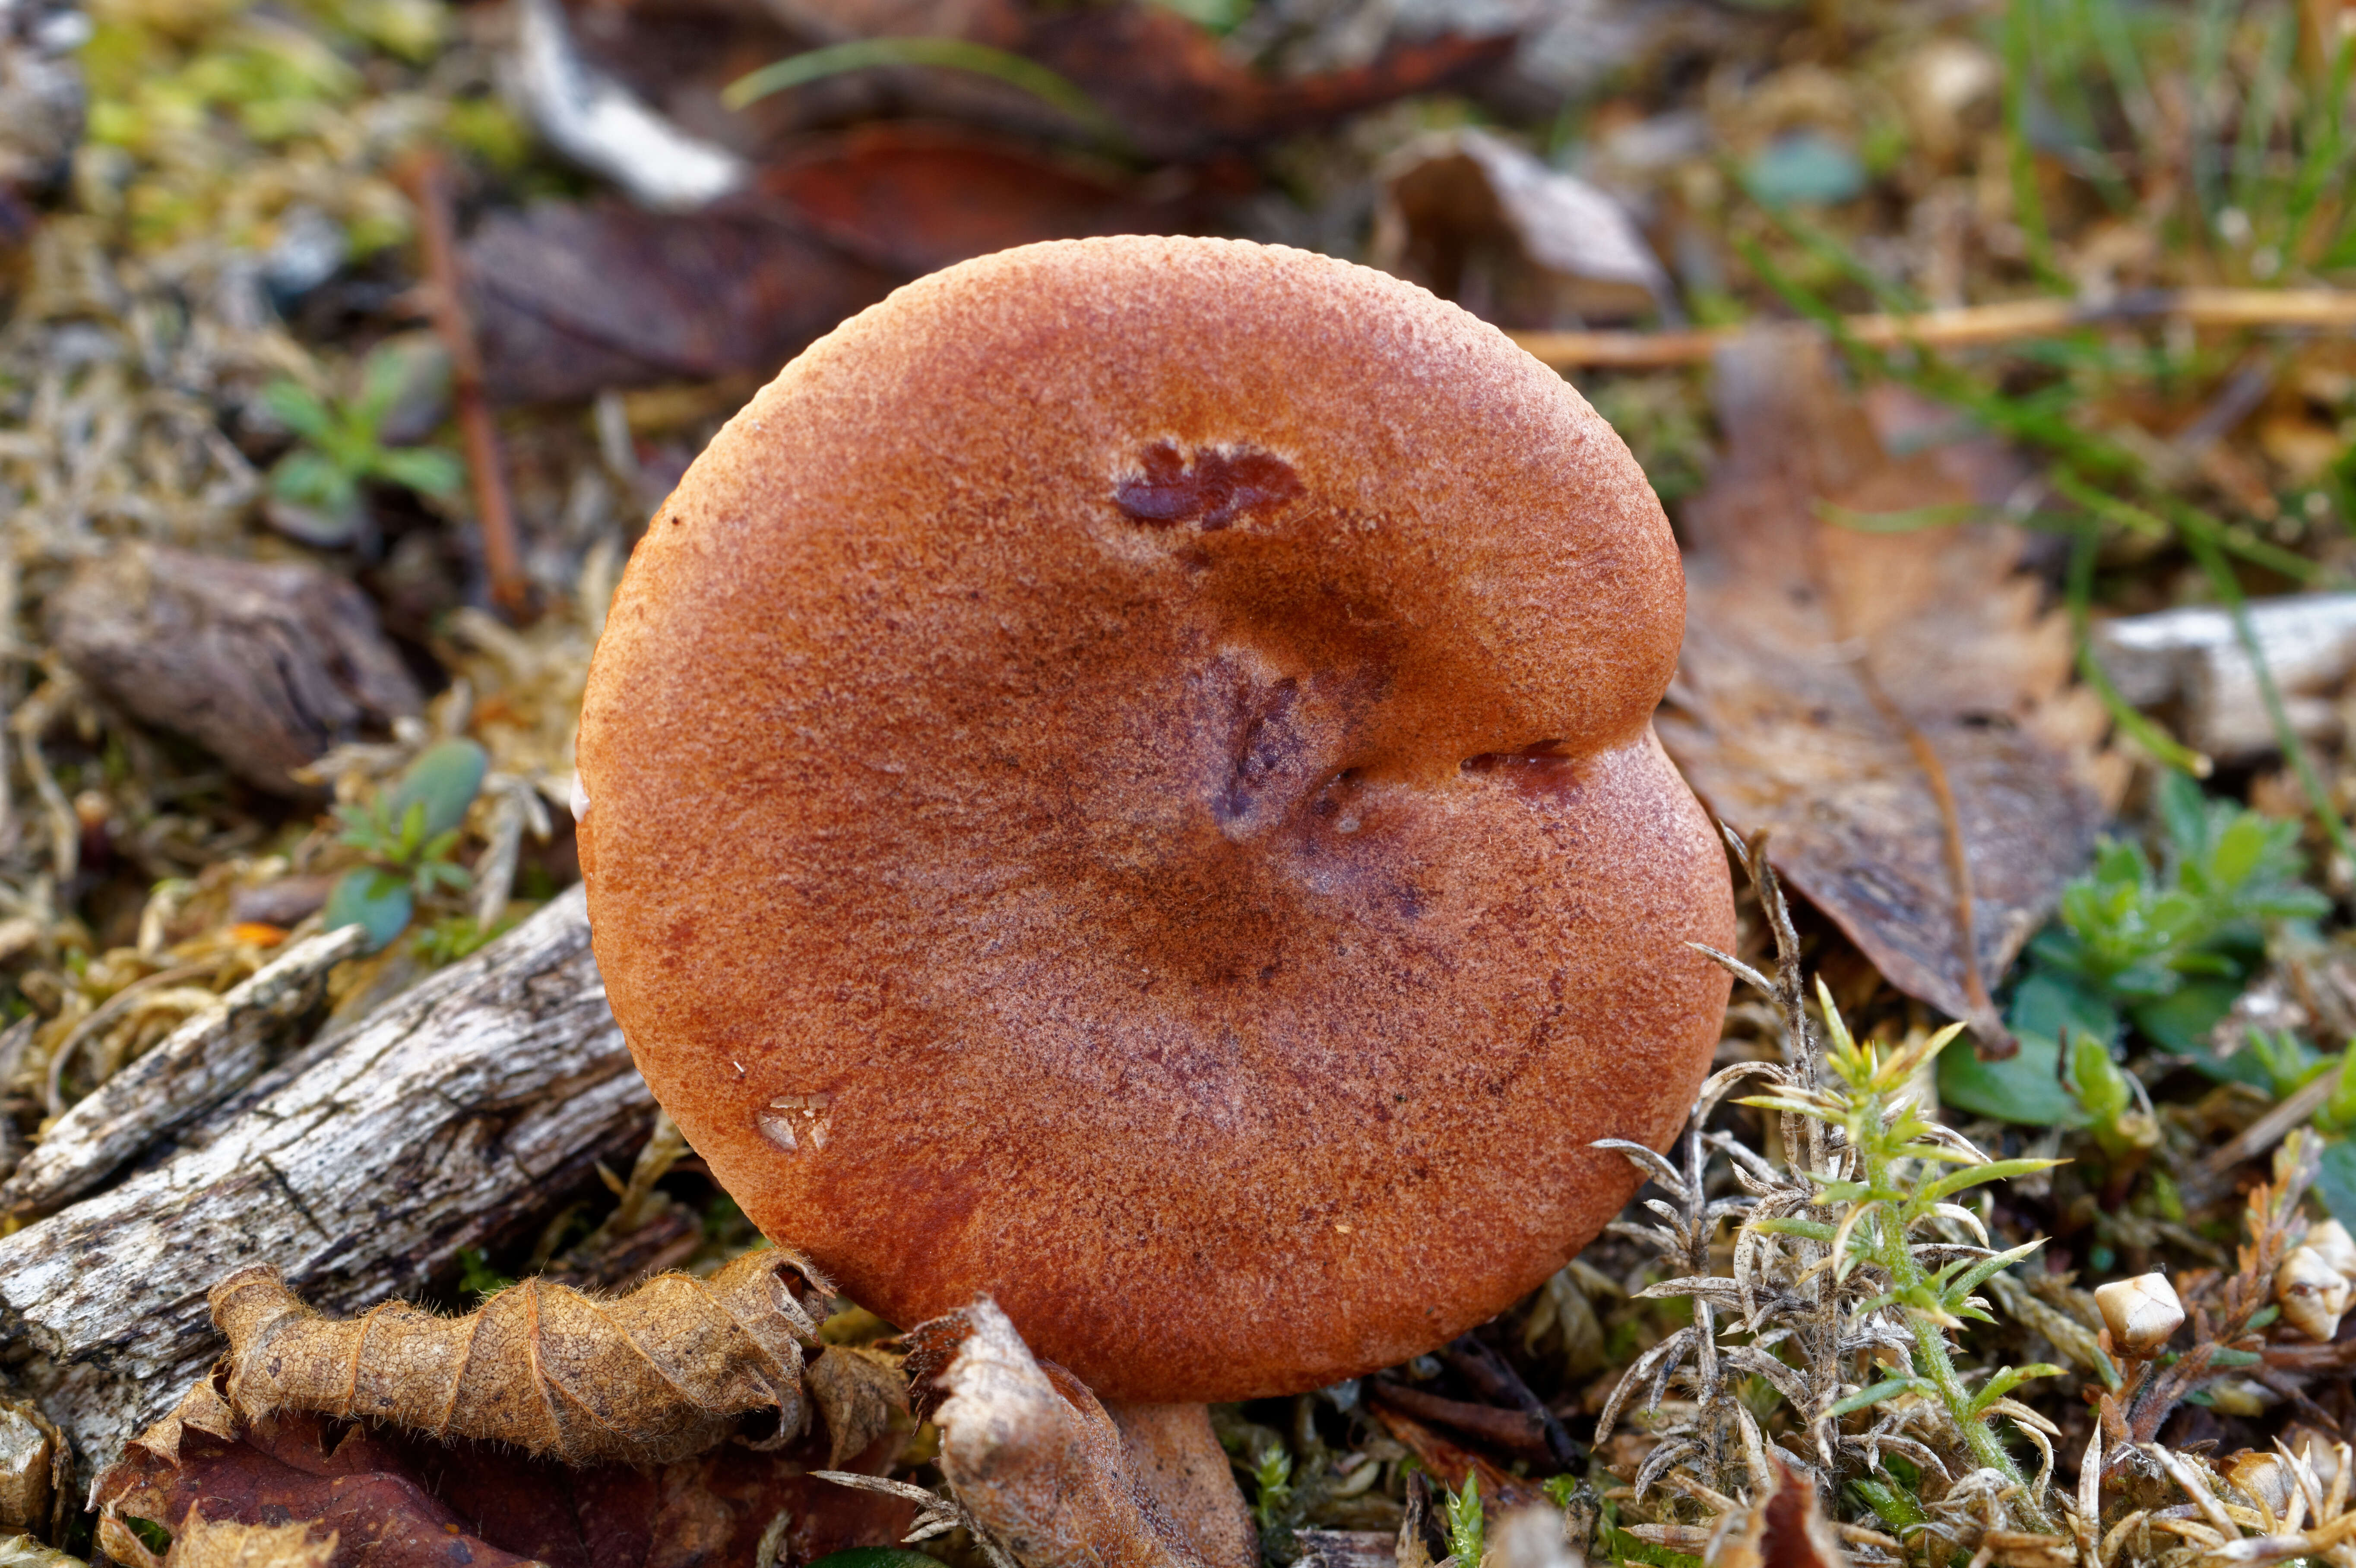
(342, 447)
(1272, 1488)
(2167, 948)
(1853, 1264)
(476, 1276)
(1468, 1527)
(1906, 1171)
(408, 837)
(2130, 933)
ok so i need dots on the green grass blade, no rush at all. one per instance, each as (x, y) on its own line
(947, 54)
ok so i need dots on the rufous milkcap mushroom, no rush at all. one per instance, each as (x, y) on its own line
(1123, 782)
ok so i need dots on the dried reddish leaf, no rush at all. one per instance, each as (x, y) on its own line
(1894, 705)
(568, 300)
(1451, 1465)
(1049, 1470)
(912, 199)
(660, 1373)
(393, 1499)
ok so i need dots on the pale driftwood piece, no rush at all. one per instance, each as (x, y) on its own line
(469, 1102)
(196, 1067)
(2195, 654)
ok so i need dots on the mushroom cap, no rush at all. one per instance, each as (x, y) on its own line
(1123, 781)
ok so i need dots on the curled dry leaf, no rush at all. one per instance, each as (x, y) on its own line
(394, 1499)
(1064, 1481)
(660, 1373)
(35, 1465)
(1783, 1528)
(857, 1391)
(1895, 706)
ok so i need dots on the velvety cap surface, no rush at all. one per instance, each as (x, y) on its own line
(1123, 781)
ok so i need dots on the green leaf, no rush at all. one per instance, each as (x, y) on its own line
(1792, 1225)
(1979, 1272)
(310, 479)
(2028, 1089)
(951, 54)
(1874, 1394)
(299, 408)
(428, 470)
(2008, 1378)
(378, 905)
(1994, 1171)
(2335, 1180)
(443, 782)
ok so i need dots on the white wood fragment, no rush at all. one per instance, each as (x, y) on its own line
(466, 1104)
(2194, 656)
(196, 1067)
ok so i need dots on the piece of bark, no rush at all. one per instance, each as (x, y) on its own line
(1346, 1549)
(195, 1068)
(645, 1379)
(2194, 656)
(1514, 1431)
(1051, 1473)
(358, 1170)
(34, 1469)
(1451, 1465)
(1895, 706)
(264, 665)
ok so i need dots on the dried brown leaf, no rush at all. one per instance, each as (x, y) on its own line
(1451, 1465)
(658, 1374)
(1896, 707)
(1047, 1470)
(1783, 1528)
(35, 1465)
(201, 1543)
(394, 1499)
(266, 665)
(857, 1391)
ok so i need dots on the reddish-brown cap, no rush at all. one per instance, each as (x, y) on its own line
(1123, 781)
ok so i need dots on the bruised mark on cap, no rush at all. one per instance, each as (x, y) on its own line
(1220, 485)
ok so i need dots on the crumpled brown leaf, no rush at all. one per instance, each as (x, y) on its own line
(35, 1467)
(1065, 1480)
(201, 1543)
(394, 1499)
(1479, 220)
(857, 1391)
(1783, 1528)
(656, 1375)
(1895, 706)
(266, 665)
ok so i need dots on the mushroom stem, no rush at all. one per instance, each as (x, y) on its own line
(1175, 1456)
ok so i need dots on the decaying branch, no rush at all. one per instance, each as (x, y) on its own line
(198, 1065)
(357, 1170)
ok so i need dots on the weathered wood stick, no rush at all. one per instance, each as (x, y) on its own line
(480, 1095)
(1966, 325)
(194, 1069)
